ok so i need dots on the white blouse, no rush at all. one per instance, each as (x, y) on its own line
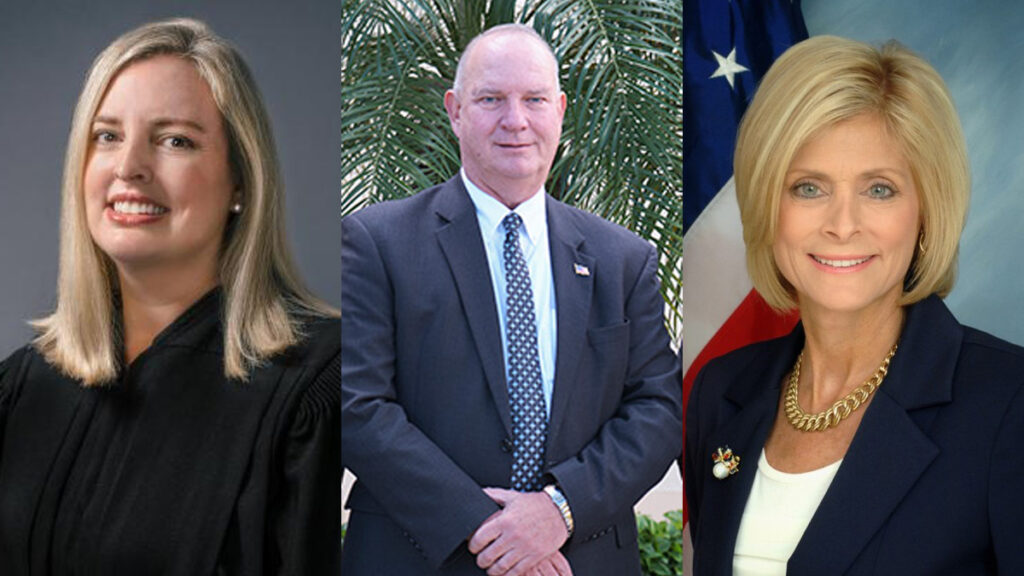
(778, 511)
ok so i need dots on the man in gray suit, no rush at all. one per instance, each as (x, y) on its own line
(508, 389)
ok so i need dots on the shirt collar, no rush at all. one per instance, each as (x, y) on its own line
(491, 212)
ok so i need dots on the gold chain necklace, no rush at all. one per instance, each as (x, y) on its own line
(841, 409)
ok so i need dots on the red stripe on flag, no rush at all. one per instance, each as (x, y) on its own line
(752, 321)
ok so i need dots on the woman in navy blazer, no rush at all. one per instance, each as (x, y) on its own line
(880, 436)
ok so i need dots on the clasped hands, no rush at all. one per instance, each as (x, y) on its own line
(523, 538)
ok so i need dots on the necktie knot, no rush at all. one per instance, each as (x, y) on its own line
(512, 222)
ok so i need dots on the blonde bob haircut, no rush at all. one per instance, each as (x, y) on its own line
(823, 81)
(264, 299)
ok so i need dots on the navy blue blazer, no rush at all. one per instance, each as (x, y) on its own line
(933, 482)
(425, 411)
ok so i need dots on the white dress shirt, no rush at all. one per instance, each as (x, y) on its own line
(778, 511)
(533, 239)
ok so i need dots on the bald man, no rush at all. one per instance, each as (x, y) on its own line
(508, 389)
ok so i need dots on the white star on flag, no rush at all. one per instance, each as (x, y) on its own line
(728, 67)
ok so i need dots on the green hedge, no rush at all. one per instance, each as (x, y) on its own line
(661, 544)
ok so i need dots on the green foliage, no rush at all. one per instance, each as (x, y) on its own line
(661, 544)
(621, 68)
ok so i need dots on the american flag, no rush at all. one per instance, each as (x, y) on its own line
(728, 47)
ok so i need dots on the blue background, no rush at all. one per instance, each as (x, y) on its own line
(978, 48)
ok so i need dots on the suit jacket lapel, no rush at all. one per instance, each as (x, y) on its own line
(753, 399)
(462, 244)
(573, 293)
(886, 457)
(891, 448)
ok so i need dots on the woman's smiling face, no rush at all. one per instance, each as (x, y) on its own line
(158, 182)
(849, 219)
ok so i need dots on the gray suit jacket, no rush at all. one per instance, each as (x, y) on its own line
(425, 409)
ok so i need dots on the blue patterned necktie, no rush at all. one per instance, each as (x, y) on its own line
(529, 416)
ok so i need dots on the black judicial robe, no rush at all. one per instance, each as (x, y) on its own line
(174, 469)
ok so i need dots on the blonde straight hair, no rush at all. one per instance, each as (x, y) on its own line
(264, 297)
(826, 80)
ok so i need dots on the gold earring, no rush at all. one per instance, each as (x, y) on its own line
(920, 243)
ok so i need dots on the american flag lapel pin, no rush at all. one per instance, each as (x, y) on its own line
(580, 269)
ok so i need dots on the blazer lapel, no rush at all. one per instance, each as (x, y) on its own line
(573, 293)
(887, 456)
(462, 244)
(891, 448)
(754, 395)
(724, 500)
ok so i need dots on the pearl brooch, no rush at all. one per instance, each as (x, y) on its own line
(726, 463)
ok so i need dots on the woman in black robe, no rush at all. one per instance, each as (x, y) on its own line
(178, 412)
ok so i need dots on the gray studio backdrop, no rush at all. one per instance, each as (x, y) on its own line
(45, 50)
